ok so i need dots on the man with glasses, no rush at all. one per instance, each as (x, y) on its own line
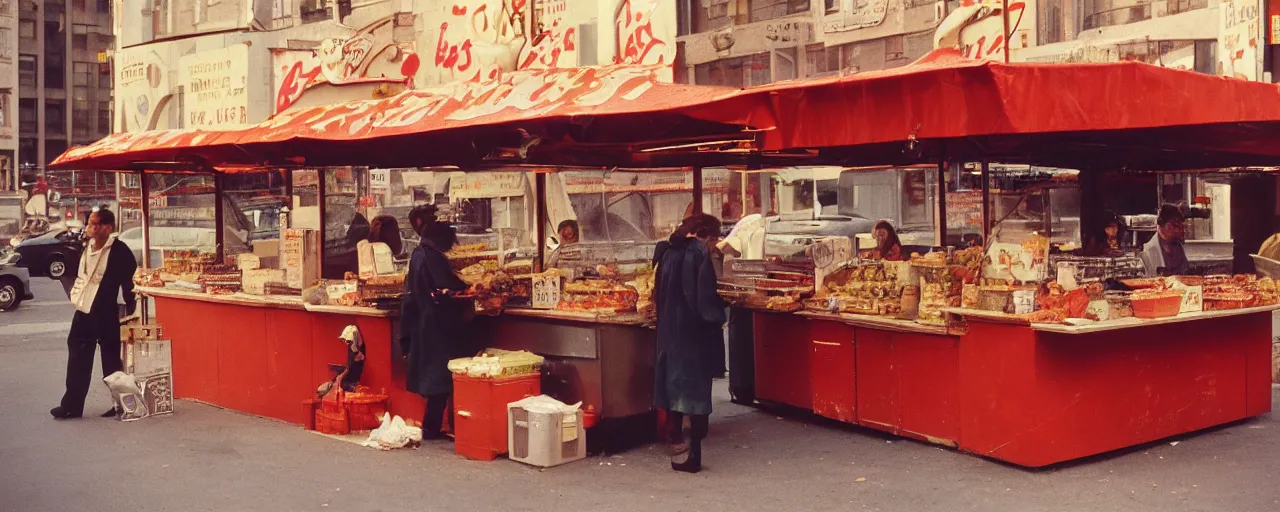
(1164, 255)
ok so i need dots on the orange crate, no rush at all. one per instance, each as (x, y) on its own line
(1161, 306)
(331, 418)
(480, 412)
(365, 410)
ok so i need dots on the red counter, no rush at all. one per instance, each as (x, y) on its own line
(1029, 395)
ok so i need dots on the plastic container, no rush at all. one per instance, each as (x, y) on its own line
(480, 412)
(545, 439)
(365, 410)
(331, 418)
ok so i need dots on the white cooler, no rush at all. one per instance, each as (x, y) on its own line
(544, 439)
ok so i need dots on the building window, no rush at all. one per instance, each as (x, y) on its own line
(27, 116)
(55, 116)
(762, 10)
(79, 37)
(1050, 27)
(697, 16)
(820, 60)
(55, 51)
(79, 4)
(53, 148)
(735, 72)
(314, 10)
(1181, 6)
(27, 70)
(6, 117)
(27, 29)
(82, 74)
(104, 117)
(1108, 13)
(893, 48)
(104, 6)
(832, 6)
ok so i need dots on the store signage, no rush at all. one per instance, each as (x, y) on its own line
(546, 290)
(487, 185)
(296, 254)
(215, 87)
(380, 178)
(1192, 300)
(1275, 29)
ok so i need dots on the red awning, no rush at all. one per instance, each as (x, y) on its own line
(610, 104)
(1083, 115)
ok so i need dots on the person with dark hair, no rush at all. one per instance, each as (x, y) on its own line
(691, 320)
(1106, 241)
(105, 272)
(569, 235)
(422, 216)
(888, 246)
(386, 229)
(1164, 255)
(433, 321)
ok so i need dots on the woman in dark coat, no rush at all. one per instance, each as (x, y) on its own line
(690, 328)
(433, 323)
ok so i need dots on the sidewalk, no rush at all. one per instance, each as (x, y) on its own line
(204, 458)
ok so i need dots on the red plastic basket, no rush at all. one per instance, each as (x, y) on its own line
(365, 410)
(331, 418)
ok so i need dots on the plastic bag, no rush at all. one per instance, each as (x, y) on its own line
(127, 396)
(393, 433)
(546, 405)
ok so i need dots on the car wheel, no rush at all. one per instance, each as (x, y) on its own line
(10, 295)
(57, 267)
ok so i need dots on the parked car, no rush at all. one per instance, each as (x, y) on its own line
(52, 254)
(15, 282)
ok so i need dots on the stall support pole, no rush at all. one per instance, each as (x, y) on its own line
(145, 203)
(322, 177)
(219, 251)
(986, 200)
(288, 189)
(942, 204)
(1004, 14)
(540, 195)
(697, 190)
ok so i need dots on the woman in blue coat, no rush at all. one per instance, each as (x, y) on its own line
(690, 328)
(432, 328)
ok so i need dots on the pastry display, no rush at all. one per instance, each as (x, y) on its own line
(220, 279)
(869, 289)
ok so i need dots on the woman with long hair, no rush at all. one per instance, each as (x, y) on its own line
(433, 322)
(888, 246)
(691, 320)
(386, 229)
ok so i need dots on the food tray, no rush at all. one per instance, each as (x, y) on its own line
(1164, 305)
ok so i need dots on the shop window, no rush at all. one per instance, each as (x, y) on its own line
(821, 61)
(27, 29)
(786, 65)
(832, 6)
(55, 116)
(1207, 57)
(762, 10)
(1108, 13)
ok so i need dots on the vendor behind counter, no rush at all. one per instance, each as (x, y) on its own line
(1164, 254)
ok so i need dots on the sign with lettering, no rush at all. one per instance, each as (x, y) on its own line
(486, 185)
(297, 257)
(215, 87)
(546, 290)
(1192, 300)
(379, 178)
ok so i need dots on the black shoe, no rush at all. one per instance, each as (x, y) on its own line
(110, 413)
(62, 414)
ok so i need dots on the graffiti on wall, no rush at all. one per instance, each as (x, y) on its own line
(638, 40)
(857, 14)
(478, 39)
(976, 28)
(1238, 39)
(369, 53)
(555, 43)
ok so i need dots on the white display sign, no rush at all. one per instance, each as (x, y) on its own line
(1192, 300)
(486, 185)
(215, 87)
(546, 291)
(379, 178)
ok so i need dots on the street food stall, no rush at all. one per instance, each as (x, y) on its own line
(257, 333)
(989, 337)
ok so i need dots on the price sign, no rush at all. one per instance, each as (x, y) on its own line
(546, 291)
(1192, 299)
(337, 291)
(379, 178)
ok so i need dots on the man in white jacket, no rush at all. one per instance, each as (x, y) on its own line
(1164, 253)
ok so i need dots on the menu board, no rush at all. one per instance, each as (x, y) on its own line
(298, 256)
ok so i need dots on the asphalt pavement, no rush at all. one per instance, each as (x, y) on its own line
(205, 458)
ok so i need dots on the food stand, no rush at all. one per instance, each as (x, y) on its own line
(269, 334)
(976, 366)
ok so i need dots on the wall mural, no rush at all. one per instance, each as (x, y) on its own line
(368, 53)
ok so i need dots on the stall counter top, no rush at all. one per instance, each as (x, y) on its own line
(633, 319)
(350, 310)
(1110, 325)
(237, 299)
(873, 322)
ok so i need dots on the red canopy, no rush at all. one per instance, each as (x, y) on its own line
(1071, 115)
(612, 104)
